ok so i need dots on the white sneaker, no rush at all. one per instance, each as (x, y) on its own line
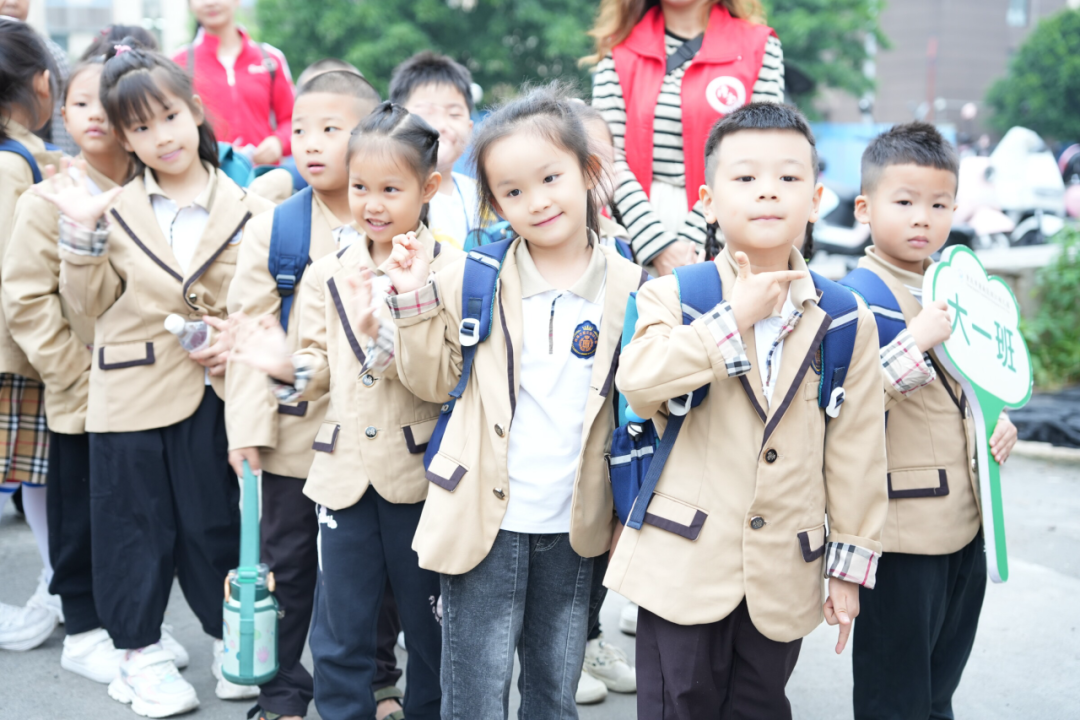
(149, 681)
(609, 665)
(628, 619)
(589, 690)
(229, 690)
(43, 599)
(24, 628)
(180, 655)
(92, 655)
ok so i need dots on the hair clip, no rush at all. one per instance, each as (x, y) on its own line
(121, 49)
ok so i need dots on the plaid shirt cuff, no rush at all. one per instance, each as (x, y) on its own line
(380, 349)
(286, 393)
(906, 367)
(851, 563)
(77, 239)
(417, 302)
(721, 324)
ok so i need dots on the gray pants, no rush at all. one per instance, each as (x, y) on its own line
(530, 594)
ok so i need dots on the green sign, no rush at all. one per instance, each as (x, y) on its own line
(989, 358)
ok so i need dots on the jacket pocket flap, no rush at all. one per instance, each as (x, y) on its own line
(297, 410)
(125, 355)
(812, 543)
(674, 516)
(326, 438)
(445, 472)
(918, 483)
(418, 434)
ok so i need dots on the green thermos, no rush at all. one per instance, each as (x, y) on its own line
(250, 610)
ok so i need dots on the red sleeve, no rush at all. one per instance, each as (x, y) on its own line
(284, 95)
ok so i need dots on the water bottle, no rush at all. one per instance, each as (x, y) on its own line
(194, 335)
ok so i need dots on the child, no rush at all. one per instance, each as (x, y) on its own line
(163, 501)
(727, 567)
(324, 66)
(368, 475)
(27, 88)
(277, 438)
(917, 628)
(440, 90)
(515, 538)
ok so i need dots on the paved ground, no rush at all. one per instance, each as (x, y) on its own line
(1026, 662)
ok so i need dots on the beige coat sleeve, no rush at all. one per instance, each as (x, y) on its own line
(90, 284)
(313, 334)
(15, 179)
(666, 359)
(30, 282)
(855, 465)
(428, 351)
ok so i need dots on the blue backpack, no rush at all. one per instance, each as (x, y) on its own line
(290, 248)
(881, 301)
(14, 146)
(638, 454)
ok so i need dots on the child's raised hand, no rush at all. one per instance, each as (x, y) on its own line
(261, 343)
(841, 608)
(1003, 439)
(67, 190)
(932, 326)
(407, 266)
(756, 295)
(364, 319)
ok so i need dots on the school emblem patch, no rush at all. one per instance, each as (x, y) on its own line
(726, 94)
(586, 337)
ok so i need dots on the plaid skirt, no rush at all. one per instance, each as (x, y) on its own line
(24, 435)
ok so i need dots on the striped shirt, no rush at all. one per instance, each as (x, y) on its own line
(647, 234)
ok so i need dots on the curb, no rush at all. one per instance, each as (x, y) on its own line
(1046, 451)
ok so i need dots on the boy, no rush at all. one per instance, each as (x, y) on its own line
(727, 567)
(917, 628)
(277, 438)
(440, 90)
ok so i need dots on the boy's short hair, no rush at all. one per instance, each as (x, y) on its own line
(757, 116)
(429, 68)
(341, 82)
(325, 65)
(913, 143)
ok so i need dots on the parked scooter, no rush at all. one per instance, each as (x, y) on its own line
(1028, 186)
(978, 218)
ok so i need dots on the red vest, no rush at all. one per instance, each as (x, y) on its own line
(719, 80)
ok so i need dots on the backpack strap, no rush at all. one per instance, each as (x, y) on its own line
(290, 247)
(14, 146)
(624, 249)
(700, 290)
(271, 65)
(478, 287)
(839, 344)
(881, 301)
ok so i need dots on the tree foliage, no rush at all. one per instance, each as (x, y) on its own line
(1041, 89)
(506, 42)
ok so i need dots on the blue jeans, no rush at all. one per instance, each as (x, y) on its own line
(530, 594)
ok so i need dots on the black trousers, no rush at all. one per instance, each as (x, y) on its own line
(163, 503)
(915, 632)
(289, 533)
(597, 594)
(726, 669)
(359, 548)
(67, 503)
(387, 673)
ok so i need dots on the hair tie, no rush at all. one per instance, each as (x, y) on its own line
(121, 49)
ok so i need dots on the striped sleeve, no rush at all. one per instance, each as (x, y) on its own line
(770, 83)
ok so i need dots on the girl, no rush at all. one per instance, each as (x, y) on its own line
(162, 499)
(27, 90)
(717, 58)
(368, 476)
(521, 503)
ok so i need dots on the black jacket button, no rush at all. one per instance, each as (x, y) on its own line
(770, 456)
(757, 523)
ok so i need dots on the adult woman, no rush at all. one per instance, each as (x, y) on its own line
(667, 71)
(245, 86)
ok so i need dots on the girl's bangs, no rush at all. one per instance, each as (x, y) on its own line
(132, 95)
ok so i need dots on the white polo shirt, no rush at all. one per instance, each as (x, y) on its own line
(183, 227)
(561, 330)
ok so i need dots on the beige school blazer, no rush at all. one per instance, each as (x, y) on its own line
(254, 418)
(375, 431)
(56, 340)
(142, 378)
(459, 525)
(738, 459)
(930, 441)
(15, 179)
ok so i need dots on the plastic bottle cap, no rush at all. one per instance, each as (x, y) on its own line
(175, 324)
